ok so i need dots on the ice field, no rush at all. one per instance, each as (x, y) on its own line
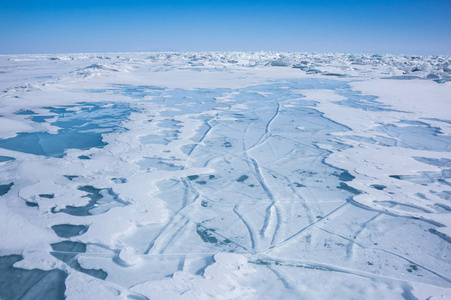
(225, 176)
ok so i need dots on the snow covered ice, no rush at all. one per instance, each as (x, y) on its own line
(225, 176)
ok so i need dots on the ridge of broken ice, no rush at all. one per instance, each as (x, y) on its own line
(431, 67)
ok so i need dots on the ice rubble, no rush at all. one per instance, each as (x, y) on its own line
(226, 175)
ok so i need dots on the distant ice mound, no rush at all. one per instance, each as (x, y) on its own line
(281, 63)
(128, 256)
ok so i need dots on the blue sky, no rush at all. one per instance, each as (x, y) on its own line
(396, 26)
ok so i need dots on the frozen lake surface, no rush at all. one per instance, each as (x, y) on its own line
(225, 176)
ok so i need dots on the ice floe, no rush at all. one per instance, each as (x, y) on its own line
(230, 175)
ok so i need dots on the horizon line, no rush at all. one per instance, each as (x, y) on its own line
(224, 51)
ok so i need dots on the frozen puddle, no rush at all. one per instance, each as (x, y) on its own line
(255, 192)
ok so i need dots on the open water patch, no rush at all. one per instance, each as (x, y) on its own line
(25, 112)
(16, 283)
(81, 127)
(47, 196)
(101, 201)
(41, 119)
(69, 230)
(4, 188)
(6, 158)
(31, 204)
(68, 251)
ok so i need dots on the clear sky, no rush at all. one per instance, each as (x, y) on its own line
(358, 26)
